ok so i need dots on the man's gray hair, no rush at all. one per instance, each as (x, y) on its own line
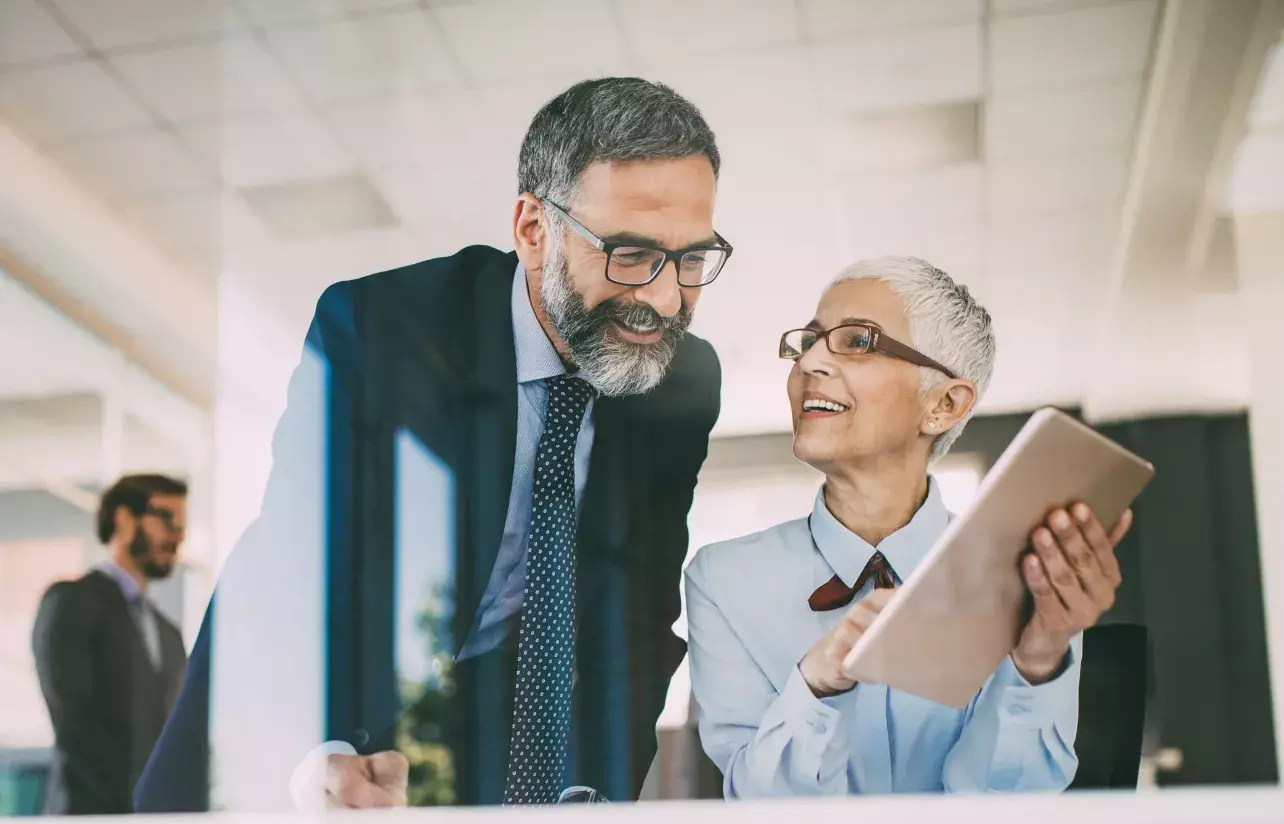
(946, 324)
(608, 119)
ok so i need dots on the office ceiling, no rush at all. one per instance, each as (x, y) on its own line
(993, 138)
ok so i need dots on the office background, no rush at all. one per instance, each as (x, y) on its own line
(180, 180)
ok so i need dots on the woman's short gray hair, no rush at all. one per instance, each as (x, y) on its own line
(946, 323)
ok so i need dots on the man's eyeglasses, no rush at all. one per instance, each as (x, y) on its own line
(166, 517)
(629, 264)
(854, 339)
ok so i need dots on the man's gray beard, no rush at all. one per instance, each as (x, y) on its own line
(610, 364)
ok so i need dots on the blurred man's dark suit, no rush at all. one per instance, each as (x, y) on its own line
(107, 699)
(451, 319)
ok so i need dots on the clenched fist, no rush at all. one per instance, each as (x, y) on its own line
(360, 782)
(822, 666)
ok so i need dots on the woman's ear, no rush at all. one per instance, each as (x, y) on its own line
(952, 401)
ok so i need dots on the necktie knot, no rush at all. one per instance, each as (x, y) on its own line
(877, 570)
(569, 393)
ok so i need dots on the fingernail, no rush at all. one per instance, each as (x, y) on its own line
(1082, 513)
(1044, 538)
(1060, 520)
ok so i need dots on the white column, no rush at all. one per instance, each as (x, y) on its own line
(1260, 240)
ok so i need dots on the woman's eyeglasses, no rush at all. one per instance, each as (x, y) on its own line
(854, 339)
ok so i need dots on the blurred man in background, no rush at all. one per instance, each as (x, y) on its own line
(110, 664)
(558, 385)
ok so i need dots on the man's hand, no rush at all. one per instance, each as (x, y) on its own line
(360, 782)
(822, 666)
(1073, 574)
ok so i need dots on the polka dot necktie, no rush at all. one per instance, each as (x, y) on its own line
(545, 646)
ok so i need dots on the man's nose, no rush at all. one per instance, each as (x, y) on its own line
(662, 294)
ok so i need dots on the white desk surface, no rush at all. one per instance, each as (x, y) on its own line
(1242, 806)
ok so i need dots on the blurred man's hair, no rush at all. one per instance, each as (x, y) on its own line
(946, 323)
(609, 119)
(135, 493)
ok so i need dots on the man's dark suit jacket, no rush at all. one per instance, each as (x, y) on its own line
(441, 331)
(107, 701)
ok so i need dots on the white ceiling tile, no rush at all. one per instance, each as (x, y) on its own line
(1004, 6)
(1073, 46)
(67, 100)
(1020, 249)
(1001, 7)
(1049, 122)
(1058, 183)
(438, 206)
(233, 76)
(118, 23)
(953, 193)
(318, 209)
(272, 148)
(910, 139)
(134, 163)
(511, 43)
(279, 12)
(28, 32)
(1268, 103)
(916, 67)
(1254, 184)
(741, 87)
(208, 221)
(415, 131)
(933, 215)
(828, 19)
(708, 27)
(351, 59)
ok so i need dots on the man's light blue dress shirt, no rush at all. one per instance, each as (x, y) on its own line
(537, 360)
(750, 625)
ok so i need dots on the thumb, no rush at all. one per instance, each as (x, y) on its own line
(1121, 528)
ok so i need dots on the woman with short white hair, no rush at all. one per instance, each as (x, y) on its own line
(885, 377)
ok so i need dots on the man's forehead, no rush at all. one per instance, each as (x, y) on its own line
(667, 202)
(174, 503)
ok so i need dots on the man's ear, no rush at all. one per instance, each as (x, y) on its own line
(529, 238)
(126, 522)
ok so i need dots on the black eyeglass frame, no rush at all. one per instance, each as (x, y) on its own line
(878, 342)
(674, 255)
(166, 517)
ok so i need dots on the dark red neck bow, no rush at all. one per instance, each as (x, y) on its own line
(834, 594)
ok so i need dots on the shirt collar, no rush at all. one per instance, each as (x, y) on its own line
(847, 553)
(537, 358)
(128, 586)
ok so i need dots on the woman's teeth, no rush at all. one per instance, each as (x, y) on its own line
(823, 406)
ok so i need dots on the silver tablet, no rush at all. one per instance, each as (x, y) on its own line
(961, 611)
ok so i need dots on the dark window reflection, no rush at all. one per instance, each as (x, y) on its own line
(425, 607)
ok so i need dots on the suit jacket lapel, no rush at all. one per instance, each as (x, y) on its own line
(490, 418)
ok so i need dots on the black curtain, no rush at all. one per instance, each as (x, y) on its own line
(1192, 577)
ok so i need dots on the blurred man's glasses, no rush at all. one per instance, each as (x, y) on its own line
(166, 517)
(630, 264)
(854, 339)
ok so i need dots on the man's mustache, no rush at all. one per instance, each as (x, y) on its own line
(639, 315)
